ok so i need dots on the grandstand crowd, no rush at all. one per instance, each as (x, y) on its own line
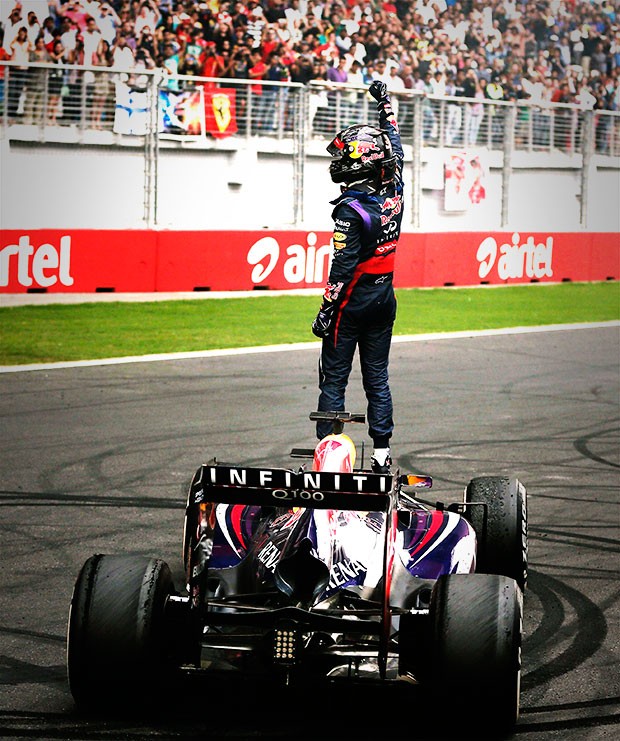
(563, 51)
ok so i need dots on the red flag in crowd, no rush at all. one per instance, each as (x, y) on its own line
(220, 112)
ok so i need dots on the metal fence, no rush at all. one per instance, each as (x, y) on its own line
(90, 98)
(43, 100)
(465, 122)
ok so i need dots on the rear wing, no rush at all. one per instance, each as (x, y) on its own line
(280, 487)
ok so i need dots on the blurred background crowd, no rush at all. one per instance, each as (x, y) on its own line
(564, 51)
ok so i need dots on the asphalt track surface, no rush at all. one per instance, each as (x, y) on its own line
(97, 460)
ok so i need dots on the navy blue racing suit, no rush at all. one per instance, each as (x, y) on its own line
(367, 226)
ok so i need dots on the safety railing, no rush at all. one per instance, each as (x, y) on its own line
(94, 98)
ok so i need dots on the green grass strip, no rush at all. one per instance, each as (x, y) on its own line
(60, 332)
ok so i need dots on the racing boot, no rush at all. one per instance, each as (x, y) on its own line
(381, 460)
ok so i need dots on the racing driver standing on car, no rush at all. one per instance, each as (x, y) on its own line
(359, 306)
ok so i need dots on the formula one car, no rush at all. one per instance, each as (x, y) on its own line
(332, 573)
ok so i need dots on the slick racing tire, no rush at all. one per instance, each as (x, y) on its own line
(496, 507)
(116, 639)
(476, 637)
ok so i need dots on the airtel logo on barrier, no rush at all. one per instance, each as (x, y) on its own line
(516, 260)
(45, 265)
(309, 264)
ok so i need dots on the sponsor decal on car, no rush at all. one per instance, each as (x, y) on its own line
(344, 572)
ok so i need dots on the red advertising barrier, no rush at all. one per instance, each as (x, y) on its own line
(85, 261)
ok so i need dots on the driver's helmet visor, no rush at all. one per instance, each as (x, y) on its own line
(336, 147)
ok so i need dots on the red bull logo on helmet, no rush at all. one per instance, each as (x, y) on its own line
(359, 149)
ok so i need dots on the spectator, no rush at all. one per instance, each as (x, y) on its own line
(92, 39)
(239, 70)
(454, 89)
(269, 43)
(148, 17)
(320, 114)
(599, 60)
(357, 50)
(396, 86)
(146, 43)
(343, 41)
(75, 12)
(381, 72)
(69, 32)
(49, 33)
(103, 87)
(337, 72)
(144, 61)
(576, 40)
(107, 22)
(212, 63)
(122, 54)
(257, 72)
(33, 109)
(328, 51)
(55, 82)
(20, 49)
(584, 97)
(72, 89)
(438, 83)
(564, 51)
(223, 36)
(354, 97)
(429, 120)
(590, 39)
(474, 112)
(274, 97)
(12, 26)
(171, 62)
(126, 29)
(33, 27)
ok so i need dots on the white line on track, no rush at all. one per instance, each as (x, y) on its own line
(296, 346)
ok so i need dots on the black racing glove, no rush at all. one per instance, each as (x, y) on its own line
(322, 325)
(379, 91)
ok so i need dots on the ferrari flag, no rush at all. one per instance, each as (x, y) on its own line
(220, 112)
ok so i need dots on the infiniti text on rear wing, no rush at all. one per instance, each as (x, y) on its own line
(279, 487)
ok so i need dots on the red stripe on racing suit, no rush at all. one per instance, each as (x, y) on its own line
(376, 265)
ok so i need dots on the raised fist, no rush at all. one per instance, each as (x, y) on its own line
(378, 90)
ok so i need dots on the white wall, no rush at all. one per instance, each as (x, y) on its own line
(71, 185)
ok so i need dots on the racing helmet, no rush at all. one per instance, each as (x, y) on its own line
(362, 152)
(335, 453)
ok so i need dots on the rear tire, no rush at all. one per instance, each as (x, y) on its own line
(500, 523)
(476, 624)
(117, 641)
